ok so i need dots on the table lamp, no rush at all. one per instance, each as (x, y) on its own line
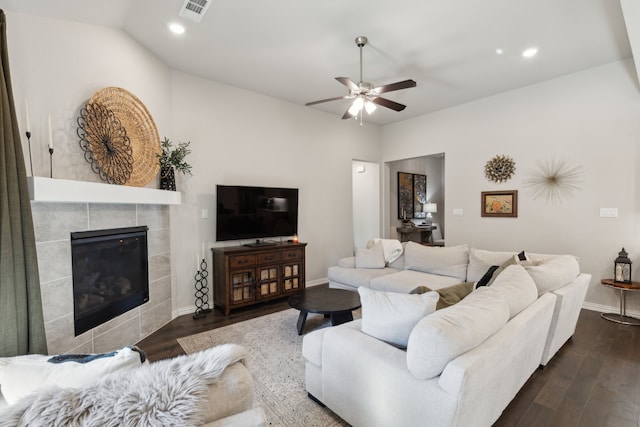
(430, 208)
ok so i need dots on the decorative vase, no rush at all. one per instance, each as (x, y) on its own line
(167, 178)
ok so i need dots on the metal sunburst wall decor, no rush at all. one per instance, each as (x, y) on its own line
(105, 143)
(555, 180)
(500, 169)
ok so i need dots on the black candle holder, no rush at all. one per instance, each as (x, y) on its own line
(202, 292)
(51, 162)
(29, 146)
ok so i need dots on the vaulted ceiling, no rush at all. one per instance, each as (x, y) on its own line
(293, 49)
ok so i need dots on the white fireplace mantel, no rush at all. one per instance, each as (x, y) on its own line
(66, 191)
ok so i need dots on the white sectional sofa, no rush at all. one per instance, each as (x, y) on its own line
(461, 365)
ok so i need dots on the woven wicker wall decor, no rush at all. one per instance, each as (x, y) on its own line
(139, 128)
(105, 143)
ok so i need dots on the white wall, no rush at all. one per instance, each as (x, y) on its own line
(590, 118)
(58, 65)
(365, 202)
(242, 138)
(237, 137)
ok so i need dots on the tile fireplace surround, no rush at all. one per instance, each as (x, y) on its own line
(58, 210)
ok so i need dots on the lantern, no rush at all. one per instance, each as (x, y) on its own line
(622, 268)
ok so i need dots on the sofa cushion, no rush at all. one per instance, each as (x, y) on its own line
(23, 375)
(446, 261)
(406, 280)
(553, 271)
(517, 288)
(390, 316)
(372, 257)
(480, 260)
(447, 333)
(357, 276)
(448, 296)
(348, 262)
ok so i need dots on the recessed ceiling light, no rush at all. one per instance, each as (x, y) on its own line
(528, 53)
(176, 28)
(499, 51)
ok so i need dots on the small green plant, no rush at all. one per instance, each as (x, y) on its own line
(175, 156)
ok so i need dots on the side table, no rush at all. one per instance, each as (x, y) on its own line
(622, 316)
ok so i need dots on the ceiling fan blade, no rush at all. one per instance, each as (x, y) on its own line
(327, 100)
(348, 83)
(347, 114)
(405, 84)
(388, 103)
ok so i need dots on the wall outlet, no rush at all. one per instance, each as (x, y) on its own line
(458, 212)
(205, 213)
(608, 212)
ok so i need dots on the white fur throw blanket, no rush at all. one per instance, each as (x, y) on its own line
(169, 392)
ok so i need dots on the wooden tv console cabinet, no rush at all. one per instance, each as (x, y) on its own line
(244, 275)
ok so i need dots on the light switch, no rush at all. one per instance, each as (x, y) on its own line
(608, 212)
(458, 212)
(205, 213)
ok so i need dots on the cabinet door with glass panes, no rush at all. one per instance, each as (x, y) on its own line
(268, 278)
(243, 285)
(292, 270)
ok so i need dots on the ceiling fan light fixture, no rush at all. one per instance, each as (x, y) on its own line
(356, 106)
(370, 107)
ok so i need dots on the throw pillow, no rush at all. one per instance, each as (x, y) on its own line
(372, 257)
(517, 288)
(553, 272)
(448, 296)
(480, 260)
(487, 276)
(449, 261)
(446, 334)
(23, 375)
(390, 316)
(511, 261)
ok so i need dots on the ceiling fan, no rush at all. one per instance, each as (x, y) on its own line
(365, 95)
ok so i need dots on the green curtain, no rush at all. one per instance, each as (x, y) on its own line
(21, 320)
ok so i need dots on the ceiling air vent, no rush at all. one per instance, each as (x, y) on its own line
(194, 10)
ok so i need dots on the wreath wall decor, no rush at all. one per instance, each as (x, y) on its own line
(111, 115)
(105, 143)
(555, 180)
(500, 169)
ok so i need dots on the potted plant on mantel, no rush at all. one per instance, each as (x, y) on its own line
(171, 160)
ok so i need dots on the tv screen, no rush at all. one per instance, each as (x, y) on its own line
(255, 212)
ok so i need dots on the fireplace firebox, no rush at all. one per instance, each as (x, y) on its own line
(110, 271)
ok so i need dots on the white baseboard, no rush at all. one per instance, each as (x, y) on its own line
(608, 309)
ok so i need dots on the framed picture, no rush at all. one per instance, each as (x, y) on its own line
(405, 195)
(500, 203)
(419, 195)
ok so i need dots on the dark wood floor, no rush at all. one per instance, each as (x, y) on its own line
(594, 380)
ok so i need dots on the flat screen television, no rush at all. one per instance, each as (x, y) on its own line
(244, 212)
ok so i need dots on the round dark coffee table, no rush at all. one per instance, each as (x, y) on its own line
(337, 304)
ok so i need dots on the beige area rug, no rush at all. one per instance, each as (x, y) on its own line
(277, 365)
